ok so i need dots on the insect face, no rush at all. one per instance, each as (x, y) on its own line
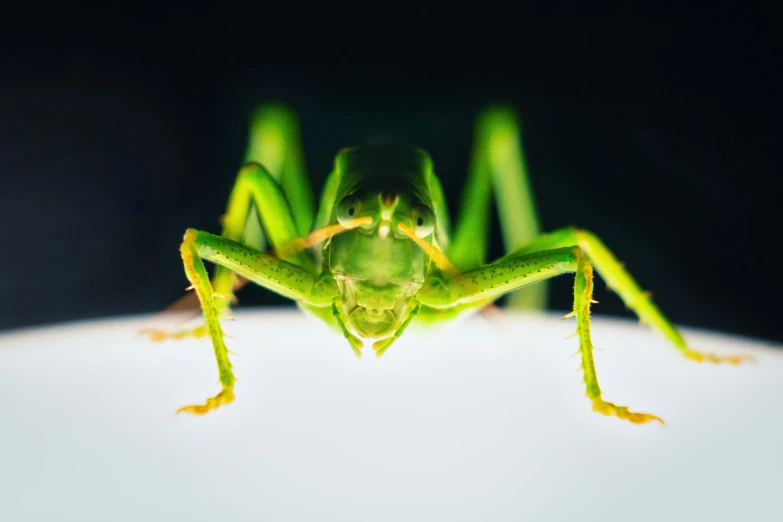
(378, 269)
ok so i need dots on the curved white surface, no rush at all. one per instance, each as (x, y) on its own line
(468, 422)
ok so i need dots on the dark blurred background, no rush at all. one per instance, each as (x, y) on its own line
(658, 131)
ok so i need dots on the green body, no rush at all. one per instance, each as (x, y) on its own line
(378, 253)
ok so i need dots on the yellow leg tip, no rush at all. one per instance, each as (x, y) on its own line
(162, 335)
(622, 412)
(716, 359)
(226, 396)
(155, 335)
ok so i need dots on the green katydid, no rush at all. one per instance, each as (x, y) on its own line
(378, 254)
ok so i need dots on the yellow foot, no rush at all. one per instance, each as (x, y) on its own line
(163, 335)
(711, 357)
(226, 396)
(607, 408)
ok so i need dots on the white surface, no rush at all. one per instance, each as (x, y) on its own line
(466, 422)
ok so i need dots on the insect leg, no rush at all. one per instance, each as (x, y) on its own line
(254, 188)
(583, 295)
(512, 272)
(264, 269)
(469, 243)
(274, 142)
(197, 275)
(497, 164)
(618, 279)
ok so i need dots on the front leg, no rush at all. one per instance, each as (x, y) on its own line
(510, 273)
(197, 275)
(266, 270)
(583, 295)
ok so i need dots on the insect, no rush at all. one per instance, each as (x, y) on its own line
(379, 251)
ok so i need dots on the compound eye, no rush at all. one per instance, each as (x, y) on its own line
(423, 221)
(348, 209)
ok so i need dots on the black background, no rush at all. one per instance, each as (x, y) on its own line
(659, 131)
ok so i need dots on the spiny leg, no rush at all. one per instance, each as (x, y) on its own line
(512, 272)
(197, 275)
(497, 165)
(618, 279)
(280, 276)
(583, 295)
